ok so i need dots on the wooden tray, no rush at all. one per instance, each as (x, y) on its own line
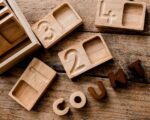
(32, 84)
(60, 22)
(121, 14)
(84, 56)
(15, 45)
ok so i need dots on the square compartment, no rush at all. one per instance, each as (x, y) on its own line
(95, 50)
(25, 94)
(12, 34)
(65, 16)
(12, 31)
(132, 15)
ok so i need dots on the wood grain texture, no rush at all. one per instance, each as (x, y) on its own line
(124, 48)
(121, 14)
(123, 104)
(32, 84)
(84, 55)
(85, 8)
(57, 24)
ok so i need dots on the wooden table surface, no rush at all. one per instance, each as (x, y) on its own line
(132, 103)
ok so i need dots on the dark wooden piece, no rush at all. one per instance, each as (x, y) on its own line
(137, 68)
(119, 79)
(95, 95)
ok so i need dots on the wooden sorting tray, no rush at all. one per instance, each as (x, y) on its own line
(121, 14)
(16, 35)
(32, 84)
(60, 22)
(84, 56)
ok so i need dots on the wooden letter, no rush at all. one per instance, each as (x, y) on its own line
(78, 100)
(119, 79)
(96, 96)
(56, 107)
(137, 68)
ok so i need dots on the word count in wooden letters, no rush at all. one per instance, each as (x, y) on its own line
(121, 14)
(85, 55)
(60, 22)
(32, 84)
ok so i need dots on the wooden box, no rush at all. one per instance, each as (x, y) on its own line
(121, 14)
(85, 55)
(60, 22)
(32, 84)
(16, 36)
(11, 32)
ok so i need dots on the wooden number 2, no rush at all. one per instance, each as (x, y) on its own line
(45, 28)
(76, 60)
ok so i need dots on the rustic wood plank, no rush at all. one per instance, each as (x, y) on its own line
(127, 104)
(86, 9)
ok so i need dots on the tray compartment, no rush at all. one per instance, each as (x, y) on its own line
(132, 15)
(65, 16)
(25, 94)
(95, 50)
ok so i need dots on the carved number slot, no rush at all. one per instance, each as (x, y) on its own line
(76, 65)
(45, 28)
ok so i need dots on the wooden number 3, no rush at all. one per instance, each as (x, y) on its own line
(45, 28)
(76, 65)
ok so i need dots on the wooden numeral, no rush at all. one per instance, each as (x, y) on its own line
(76, 65)
(45, 28)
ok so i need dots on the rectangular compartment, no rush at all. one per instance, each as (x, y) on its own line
(132, 15)
(12, 31)
(25, 94)
(95, 50)
(32, 84)
(15, 49)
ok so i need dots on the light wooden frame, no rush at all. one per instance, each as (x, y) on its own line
(34, 43)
